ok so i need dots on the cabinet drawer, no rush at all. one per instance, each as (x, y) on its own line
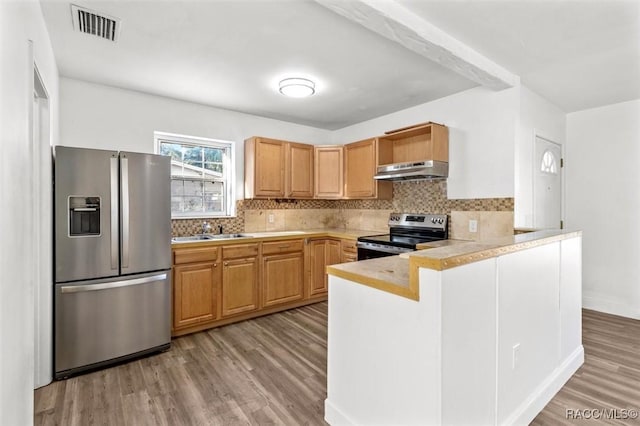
(349, 257)
(240, 250)
(349, 246)
(285, 246)
(201, 254)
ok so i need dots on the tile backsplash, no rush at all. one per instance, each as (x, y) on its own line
(280, 215)
(489, 224)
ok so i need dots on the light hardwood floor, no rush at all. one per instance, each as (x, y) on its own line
(608, 379)
(272, 370)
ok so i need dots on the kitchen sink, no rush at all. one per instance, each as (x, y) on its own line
(190, 238)
(205, 237)
(225, 236)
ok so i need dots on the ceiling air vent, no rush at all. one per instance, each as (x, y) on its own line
(95, 23)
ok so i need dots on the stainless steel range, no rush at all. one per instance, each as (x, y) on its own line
(406, 230)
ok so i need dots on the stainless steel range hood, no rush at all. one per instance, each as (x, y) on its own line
(414, 170)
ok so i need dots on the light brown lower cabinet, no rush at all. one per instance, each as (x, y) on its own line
(239, 286)
(322, 253)
(195, 293)
(282, 278)
(219, 285)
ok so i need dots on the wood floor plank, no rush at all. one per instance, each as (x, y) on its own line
(272, 370)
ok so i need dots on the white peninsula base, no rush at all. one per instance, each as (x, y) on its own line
(487, 343)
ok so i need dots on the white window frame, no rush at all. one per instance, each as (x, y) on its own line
(228, 167)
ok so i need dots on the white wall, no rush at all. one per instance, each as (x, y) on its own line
(98, 116)
(482, 126)
(537, 117)
(19, 23)
(603, 187)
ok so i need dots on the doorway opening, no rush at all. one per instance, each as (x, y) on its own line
(42, 220)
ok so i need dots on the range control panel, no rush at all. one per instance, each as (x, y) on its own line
(418, 220)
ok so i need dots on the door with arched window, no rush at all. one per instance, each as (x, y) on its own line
(547, 184)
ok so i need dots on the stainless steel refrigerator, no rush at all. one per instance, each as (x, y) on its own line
(112, 257)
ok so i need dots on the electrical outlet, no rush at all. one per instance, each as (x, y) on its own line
(271, 218)
(516, 356)
(473, 225)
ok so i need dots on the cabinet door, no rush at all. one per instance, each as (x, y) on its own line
(334, 252)
(360, 167)
(329, 172)
(299, 170)
(269, 168)
(318, 260)
(282, 278)
(323, 253)
(239, 286)
(195, 293)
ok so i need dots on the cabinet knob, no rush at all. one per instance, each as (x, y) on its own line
(226, 263)
(215, 265)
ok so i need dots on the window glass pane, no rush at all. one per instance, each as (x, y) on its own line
(172, 149)
(216, 168)
(192, 204)
(213, 206)
(548, 164)
(192, 154)
(192, 187)
(177, 187)
(177, 205)
(213, 154)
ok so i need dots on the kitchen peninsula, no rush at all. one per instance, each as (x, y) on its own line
(468, 333)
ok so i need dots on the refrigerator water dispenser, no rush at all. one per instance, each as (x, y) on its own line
(84, 216)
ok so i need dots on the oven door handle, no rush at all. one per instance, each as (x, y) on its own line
(383, 249)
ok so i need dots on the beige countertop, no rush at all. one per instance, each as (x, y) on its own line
(348, 234)
(399, 274)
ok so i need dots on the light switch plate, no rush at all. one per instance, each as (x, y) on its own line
(473, 225)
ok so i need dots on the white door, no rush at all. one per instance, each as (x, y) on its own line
(547, 184)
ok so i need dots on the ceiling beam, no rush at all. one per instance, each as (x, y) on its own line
(397, 23)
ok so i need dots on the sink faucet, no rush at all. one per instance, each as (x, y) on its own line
(206, 228)
(220, 229)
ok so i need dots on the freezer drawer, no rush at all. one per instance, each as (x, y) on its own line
(101, 320)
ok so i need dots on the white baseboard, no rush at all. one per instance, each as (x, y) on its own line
(609, 306)
(334, 416)
(530, 408)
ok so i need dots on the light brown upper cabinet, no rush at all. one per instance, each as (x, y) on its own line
(299, 170)
(428, 141)
(277, 169)
(360, 162)
(329, 171)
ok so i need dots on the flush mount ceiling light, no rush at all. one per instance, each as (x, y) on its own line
(297, 87)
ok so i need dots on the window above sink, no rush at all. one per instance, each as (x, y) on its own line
(201, 175)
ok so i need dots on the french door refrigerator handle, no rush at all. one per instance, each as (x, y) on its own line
(115, 284)
(124, 162)
(114, 212)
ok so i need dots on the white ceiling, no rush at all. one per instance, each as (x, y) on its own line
(231, 53)
(577, 54)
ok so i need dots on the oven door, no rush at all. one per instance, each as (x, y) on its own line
(373, 251)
